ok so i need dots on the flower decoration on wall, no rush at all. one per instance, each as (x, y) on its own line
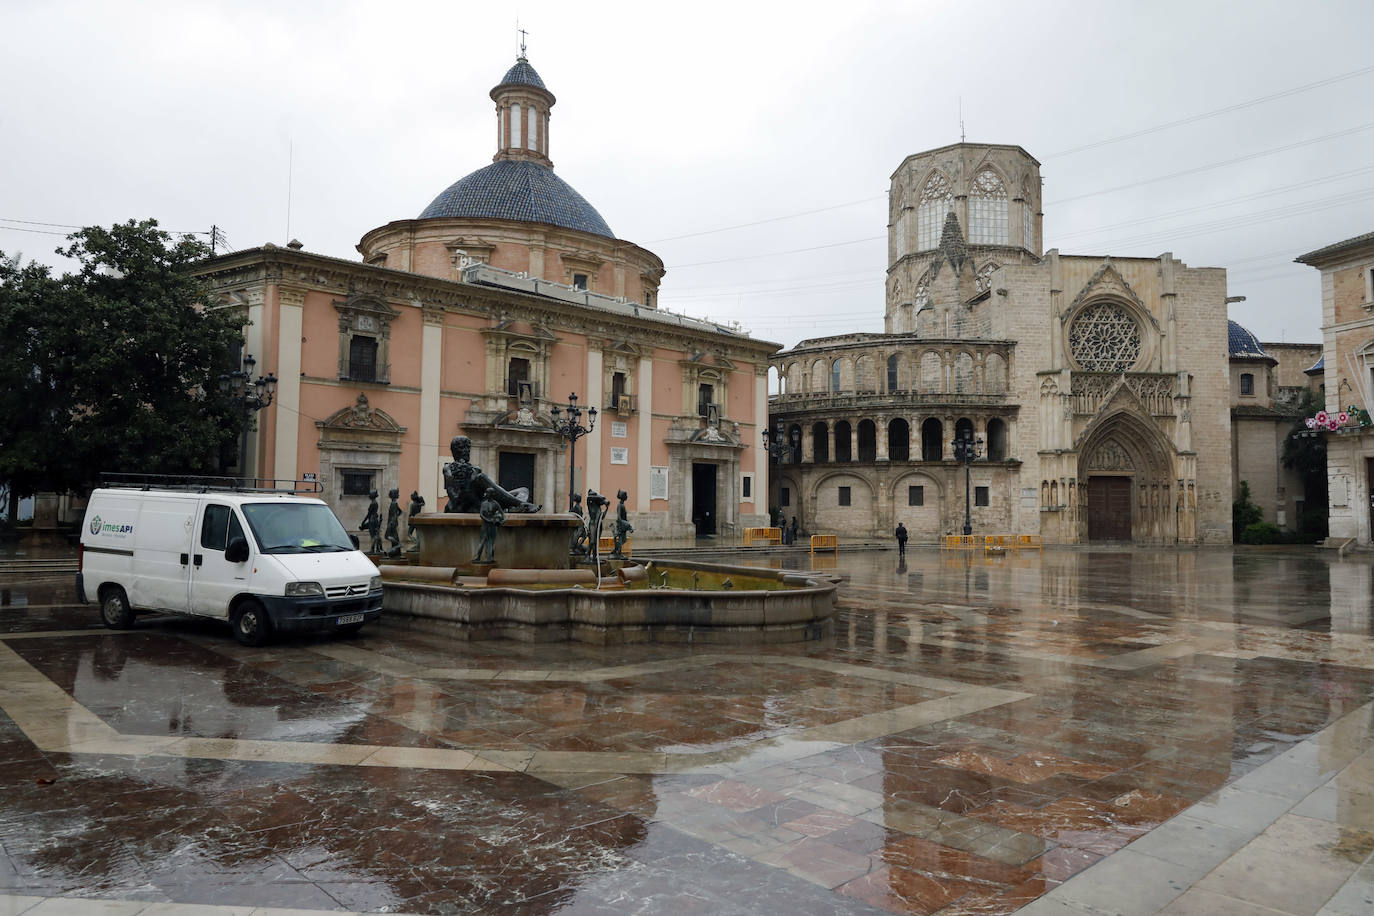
(1333, 422)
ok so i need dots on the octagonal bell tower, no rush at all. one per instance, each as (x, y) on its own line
(974, 203)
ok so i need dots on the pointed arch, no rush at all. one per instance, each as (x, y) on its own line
(987, 208)
(937, 198)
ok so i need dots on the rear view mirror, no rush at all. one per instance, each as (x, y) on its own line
(237, 551)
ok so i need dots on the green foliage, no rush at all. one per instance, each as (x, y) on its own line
(1306, 454)
(1244, 513)
(115, 367)
(1262, 533)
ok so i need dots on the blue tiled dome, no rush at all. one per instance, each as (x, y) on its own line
(1242, 343)
(523, 191)
(522, 74)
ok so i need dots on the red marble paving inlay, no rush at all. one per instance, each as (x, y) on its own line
(736, 796)
(1024, 768)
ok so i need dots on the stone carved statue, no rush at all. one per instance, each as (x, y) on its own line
(372, 524)
(393, 522)
(493, 517)
(467, 486)
(622, 528)
(417, 505)
(596, 511)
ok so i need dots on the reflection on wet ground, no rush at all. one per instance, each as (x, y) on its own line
(1087, 730)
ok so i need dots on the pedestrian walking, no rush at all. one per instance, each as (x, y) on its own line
(901, 539)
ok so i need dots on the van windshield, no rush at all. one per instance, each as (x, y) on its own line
(296, 528)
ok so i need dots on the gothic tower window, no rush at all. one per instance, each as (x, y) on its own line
(987, 210)
(936, 200)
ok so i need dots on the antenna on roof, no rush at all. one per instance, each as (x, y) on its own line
(961, 119)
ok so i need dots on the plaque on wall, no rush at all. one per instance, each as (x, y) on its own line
(620, 455)
(619, 430)
(658, 483)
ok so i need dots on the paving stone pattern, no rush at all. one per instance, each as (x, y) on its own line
(1087, 731)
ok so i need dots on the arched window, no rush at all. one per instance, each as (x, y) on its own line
(868, 440)
(963, 428)
(997, 440)
(892, 372)
(842, 435)
(818, 379)
(932, 440)
(987, 210)
(820, 443)
(835, 376)
(936, 201)
(794, 443)
(899, 440)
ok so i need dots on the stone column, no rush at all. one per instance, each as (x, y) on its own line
(432, 450)
(853, 440)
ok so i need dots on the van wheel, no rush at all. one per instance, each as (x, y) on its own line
(114, 609)
(251, 624)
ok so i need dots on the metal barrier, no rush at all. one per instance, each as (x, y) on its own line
(1028, 542)
(754, 536)
(958, 542)
(825, 542)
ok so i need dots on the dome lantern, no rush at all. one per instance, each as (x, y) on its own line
(522, 115)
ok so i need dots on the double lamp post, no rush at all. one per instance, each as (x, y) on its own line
(249, 395)
(567, 422)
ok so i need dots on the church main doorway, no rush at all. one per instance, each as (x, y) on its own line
(704, 499)
(1109, 509)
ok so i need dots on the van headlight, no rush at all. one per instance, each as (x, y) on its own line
(304, 590)
(374, 583)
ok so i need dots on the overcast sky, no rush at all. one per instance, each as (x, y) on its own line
(679, 122)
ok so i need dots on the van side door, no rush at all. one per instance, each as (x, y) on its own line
(215, 580)
(162, 553)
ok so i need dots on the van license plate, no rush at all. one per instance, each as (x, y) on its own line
(350, 618)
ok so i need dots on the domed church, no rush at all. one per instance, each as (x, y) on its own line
(505, 297)
(1094, 390)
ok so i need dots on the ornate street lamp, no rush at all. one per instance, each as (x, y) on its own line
(776, 444)
(250, 396)
(570, 427)
(967, 448)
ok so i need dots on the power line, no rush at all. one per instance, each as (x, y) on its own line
(1216, 165)
(1192, 119)
(771, 219)
(1284, 93)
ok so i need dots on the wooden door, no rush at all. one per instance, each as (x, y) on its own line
(1109, 511)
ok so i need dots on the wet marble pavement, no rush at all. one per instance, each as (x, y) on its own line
(1087, 731)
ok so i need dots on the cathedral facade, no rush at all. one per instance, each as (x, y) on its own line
(1095, 390)
(508, 296)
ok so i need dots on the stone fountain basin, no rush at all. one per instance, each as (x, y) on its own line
(795, 607)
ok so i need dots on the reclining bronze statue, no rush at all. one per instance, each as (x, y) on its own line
(466, 485)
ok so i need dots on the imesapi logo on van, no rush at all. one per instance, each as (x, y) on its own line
(99, 527)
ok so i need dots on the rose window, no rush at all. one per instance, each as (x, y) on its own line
(1105, 338)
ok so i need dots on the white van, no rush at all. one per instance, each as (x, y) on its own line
(267, 562)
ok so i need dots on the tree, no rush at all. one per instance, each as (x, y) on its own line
(115, 367)
(1305, 452)
(1244, 513)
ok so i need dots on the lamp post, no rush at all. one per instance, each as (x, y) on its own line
(570, 427)
(251, 396)
(775, 444)
(967, 448)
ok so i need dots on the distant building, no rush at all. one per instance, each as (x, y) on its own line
(1099, 386)
(1347, 284)
(1267, 384)
(507, 294)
